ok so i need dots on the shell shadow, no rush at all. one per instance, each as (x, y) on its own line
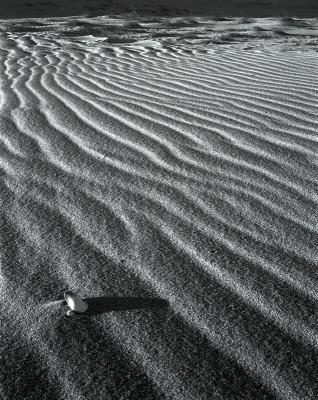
(104, 304)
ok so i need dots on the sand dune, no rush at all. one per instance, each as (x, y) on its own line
(219, 8)
(161, 158)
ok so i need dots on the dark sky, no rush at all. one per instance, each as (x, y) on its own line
(261, 8)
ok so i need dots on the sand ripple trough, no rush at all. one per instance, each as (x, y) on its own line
(178, 160)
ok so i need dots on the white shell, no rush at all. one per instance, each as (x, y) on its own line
(70, 313)
(75, 302)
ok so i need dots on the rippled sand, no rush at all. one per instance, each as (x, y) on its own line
(161, 158)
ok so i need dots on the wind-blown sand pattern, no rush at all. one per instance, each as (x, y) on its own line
(169, 158)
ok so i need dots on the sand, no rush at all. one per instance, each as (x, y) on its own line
(167, 166)
(218, 8)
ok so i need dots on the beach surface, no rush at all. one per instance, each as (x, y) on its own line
(146, 160)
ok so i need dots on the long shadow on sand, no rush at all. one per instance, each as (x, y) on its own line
(103, 304)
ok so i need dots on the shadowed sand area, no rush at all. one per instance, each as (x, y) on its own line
(169, 159)
(103, 304)
(218, 8)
